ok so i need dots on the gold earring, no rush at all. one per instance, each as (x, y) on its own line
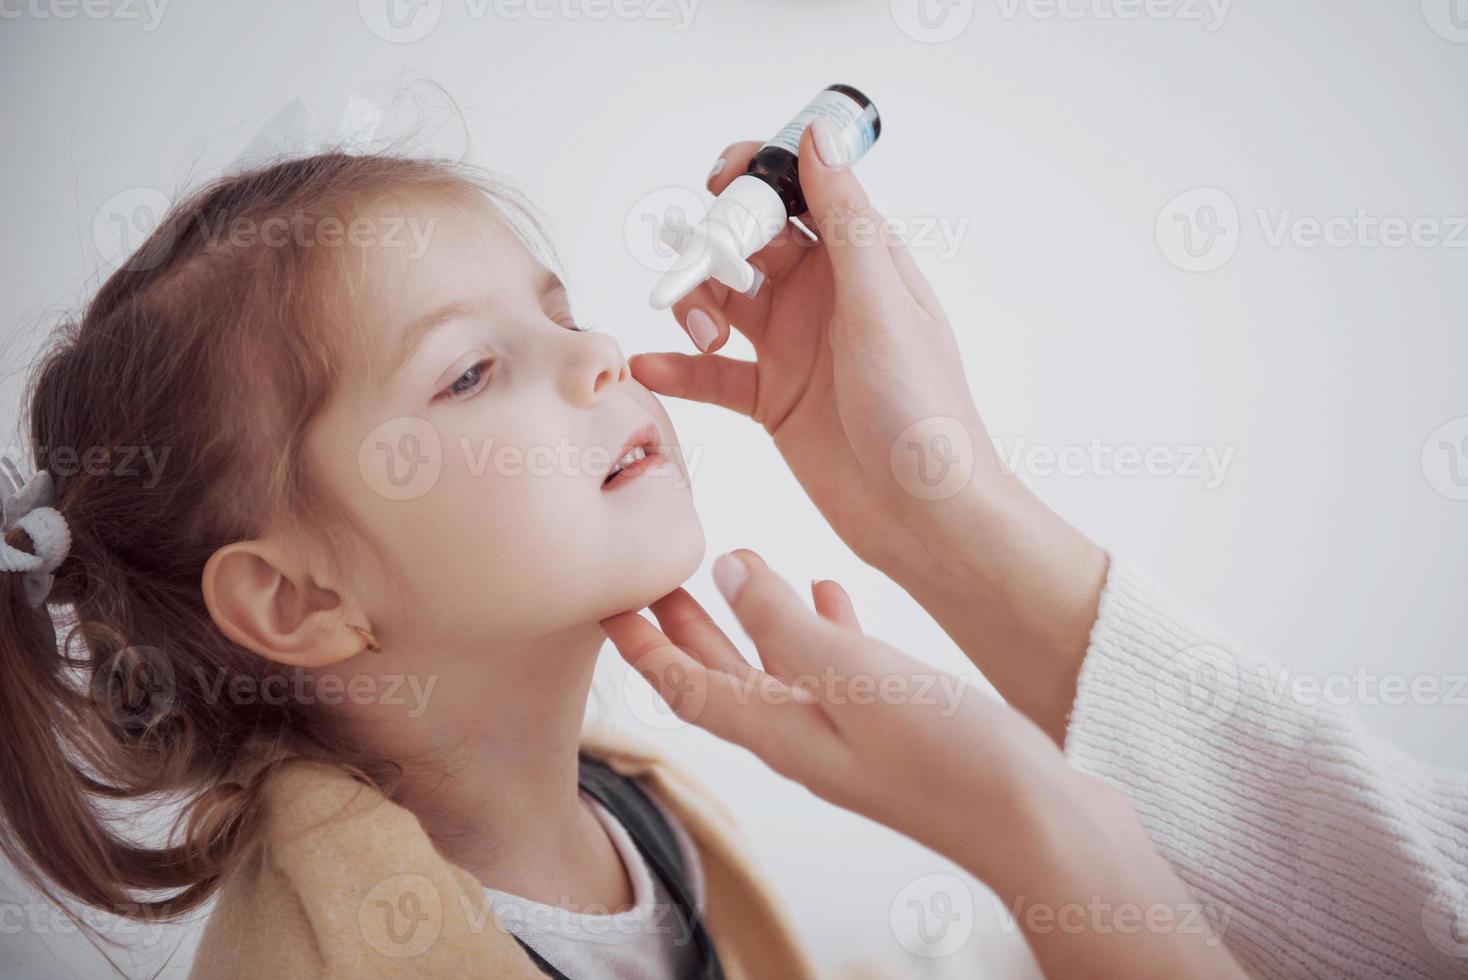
(372, 643)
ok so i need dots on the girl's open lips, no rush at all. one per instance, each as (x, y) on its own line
(638, 453)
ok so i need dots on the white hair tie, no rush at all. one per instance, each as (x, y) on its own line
(27, 505)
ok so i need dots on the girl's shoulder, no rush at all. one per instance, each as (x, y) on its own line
(345, 882)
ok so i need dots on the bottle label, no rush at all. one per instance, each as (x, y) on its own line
(853, 124)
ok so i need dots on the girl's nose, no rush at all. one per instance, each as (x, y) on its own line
(594, 366)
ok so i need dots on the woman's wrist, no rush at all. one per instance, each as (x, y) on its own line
(1092, 894)
(1012, 583)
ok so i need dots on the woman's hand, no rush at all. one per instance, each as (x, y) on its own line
(858, 379)
(873, 730)
(855, 361)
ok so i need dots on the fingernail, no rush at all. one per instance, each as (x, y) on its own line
(729, 576)
(828, 146)
(702, 329)
(759, 280)
(715, 170)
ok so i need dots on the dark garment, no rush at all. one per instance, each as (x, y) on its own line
(697, 959)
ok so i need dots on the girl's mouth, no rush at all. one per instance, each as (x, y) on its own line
(637, 454)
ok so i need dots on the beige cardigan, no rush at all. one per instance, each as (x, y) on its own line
(347, 884)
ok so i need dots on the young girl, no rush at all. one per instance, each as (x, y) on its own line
(339, 491)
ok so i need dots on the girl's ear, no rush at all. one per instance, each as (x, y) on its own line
(266, 603)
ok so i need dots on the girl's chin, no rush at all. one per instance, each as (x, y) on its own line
(664, 559)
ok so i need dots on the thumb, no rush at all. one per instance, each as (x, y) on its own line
(851, 230)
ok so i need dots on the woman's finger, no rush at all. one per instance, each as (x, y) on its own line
(834, 605)
(850, 228)
(686, 623)
(758, 712)
(711, 378)
(789, 637)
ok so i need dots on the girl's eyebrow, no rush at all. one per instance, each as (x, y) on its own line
(419, 329)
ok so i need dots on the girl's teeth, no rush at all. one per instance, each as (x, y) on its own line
(633, 455)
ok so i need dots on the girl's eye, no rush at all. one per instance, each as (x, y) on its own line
(469, 382)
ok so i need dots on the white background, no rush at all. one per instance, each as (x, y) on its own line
(1050, 141)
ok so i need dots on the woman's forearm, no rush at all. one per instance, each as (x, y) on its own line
(1015, 586)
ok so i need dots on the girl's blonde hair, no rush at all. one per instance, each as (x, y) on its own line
(213, 354)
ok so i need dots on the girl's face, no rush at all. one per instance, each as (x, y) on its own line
(476, 439)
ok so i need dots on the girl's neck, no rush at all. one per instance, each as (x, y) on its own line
(490, 768)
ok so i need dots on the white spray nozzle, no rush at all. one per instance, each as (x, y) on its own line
(742, 220)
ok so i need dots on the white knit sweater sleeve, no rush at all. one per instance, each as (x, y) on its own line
(1316, 849)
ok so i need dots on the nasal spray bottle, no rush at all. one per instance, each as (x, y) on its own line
(755, 206)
